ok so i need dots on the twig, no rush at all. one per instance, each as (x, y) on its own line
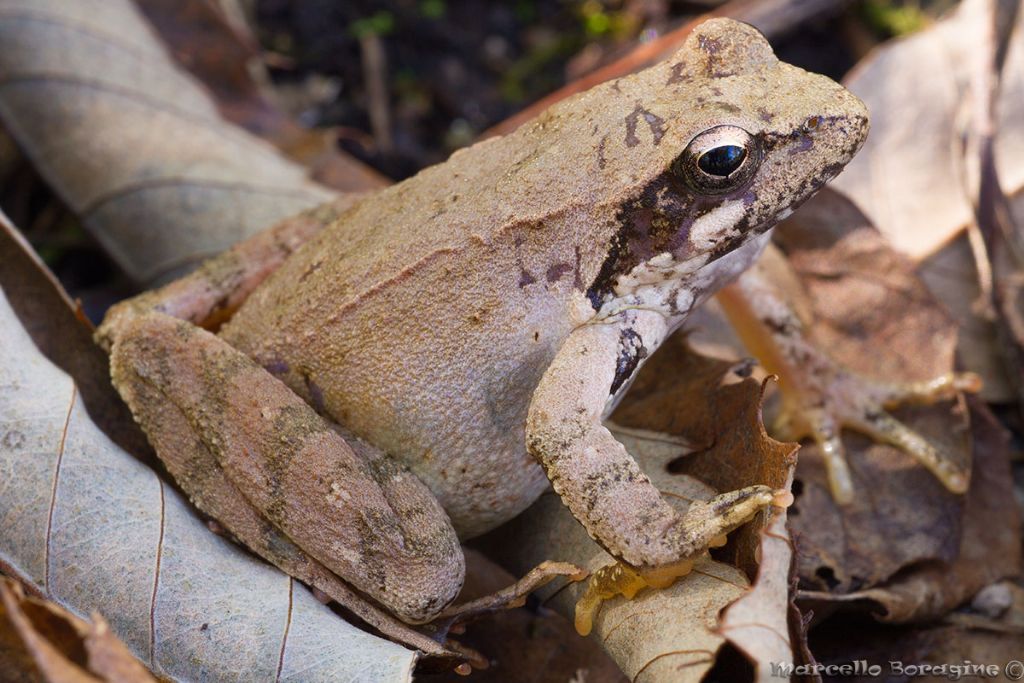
(375, 74)
(994, 238)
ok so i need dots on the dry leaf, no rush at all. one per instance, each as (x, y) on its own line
(58, 328)
(90, 527)
(863, 294)
(960, 639)
(672, 634)
(952, 277)
(224, 57)
(909, 176)
(989, 546)
(48, 643)
(134, 145)
(875, 318)
(761, 623)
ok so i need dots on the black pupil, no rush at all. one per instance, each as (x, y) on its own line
(721, 161)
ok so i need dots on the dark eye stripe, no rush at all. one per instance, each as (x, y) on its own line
(718, 160)
(721, 161)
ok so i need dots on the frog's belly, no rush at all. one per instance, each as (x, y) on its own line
(459, 424)
(446, 397)
(465, 440)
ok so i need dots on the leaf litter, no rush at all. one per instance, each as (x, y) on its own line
(878, 552)
(90, 527)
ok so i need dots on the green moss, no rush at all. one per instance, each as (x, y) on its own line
(433, 9)
(380, 23)
(893, 17)
(601, 22)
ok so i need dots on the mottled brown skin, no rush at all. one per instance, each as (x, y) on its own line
(477, 321)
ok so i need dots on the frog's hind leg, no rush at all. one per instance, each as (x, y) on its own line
(820, 397)
(254, 456)
(211, 294)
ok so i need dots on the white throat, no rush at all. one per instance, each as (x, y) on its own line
(674, 288)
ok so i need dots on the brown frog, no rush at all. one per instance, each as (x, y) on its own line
(422, 368)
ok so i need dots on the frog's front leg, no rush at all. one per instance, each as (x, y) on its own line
(596, 478)
(253, 455)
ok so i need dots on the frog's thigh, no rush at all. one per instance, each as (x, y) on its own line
(596, 478)
(363, 516)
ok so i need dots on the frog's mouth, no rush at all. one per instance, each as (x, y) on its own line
(675, 287)
(734, 242)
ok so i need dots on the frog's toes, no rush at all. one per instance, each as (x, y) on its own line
(514, 595)
(608, 582)
(928, 391)
(886, 429)
(820, 425)
(706, 523)
(704, 526)
(819, 409)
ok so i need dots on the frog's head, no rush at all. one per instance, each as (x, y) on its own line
(703, 153)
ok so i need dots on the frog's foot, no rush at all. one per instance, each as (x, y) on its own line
(514, 595)
(820, 398)
(705, 525)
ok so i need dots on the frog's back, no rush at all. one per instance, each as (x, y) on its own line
(419, 322)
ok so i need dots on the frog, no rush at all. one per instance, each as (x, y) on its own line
(354, 393)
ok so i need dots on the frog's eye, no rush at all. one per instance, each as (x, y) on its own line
(719, 160)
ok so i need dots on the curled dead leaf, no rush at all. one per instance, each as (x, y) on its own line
(909, 176)
(46, 642)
